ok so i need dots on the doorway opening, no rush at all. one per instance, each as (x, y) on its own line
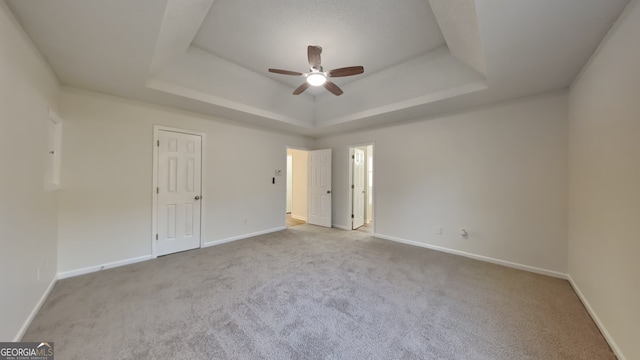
(297, 187)
(308, 190)
(361, 188)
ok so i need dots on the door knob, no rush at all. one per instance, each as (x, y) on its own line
(197, 197)
(328, 191)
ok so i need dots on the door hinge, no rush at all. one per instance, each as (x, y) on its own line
(353, 186)
(156, 236)
(352, 216)
(353, 156)
(158, 143)
(157, 190)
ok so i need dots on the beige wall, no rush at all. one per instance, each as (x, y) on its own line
(105, 203)
(604, 206)
(28, 220)
(499, 171)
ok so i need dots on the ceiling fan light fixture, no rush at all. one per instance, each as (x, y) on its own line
(316, 79)
(317, 76)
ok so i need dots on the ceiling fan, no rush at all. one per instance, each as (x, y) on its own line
(317, 76)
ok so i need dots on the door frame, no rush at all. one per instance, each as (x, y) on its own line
(354, 175)
(286, 148)
(288, 178)
(350, 179)
(154, 209)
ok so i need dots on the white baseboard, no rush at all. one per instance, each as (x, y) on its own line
(241, 237)
(476, 257)
(90, 269)
(35, 310)
(596, 319)
(298, 217)
(340, 227)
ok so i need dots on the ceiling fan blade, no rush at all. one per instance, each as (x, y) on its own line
(346, 71)
(313, 53)
(335, 89)
(305, 85)
(285, 72)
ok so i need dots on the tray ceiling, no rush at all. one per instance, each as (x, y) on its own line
(421, 57)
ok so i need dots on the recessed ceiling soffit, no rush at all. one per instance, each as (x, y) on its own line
(414, 53)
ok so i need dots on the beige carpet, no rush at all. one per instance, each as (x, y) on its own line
(315, 293)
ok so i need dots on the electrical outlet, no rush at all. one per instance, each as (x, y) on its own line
(245, 221)
(438, 230)
(464, 234)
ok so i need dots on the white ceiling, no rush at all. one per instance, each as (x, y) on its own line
(276, 33)
(421, 57)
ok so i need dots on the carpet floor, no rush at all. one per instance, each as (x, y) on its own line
(313, 293)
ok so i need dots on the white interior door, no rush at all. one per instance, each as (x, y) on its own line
(357, 187)
(179, 183)
(319, 211)
(289, 183)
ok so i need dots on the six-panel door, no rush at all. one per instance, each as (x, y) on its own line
(179, 185)
(319, 211)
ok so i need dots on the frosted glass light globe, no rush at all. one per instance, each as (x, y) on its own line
(316, 79)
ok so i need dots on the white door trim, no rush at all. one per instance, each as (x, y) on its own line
(203, 207)
(358, 186)
(350, 174)
(286, 151)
